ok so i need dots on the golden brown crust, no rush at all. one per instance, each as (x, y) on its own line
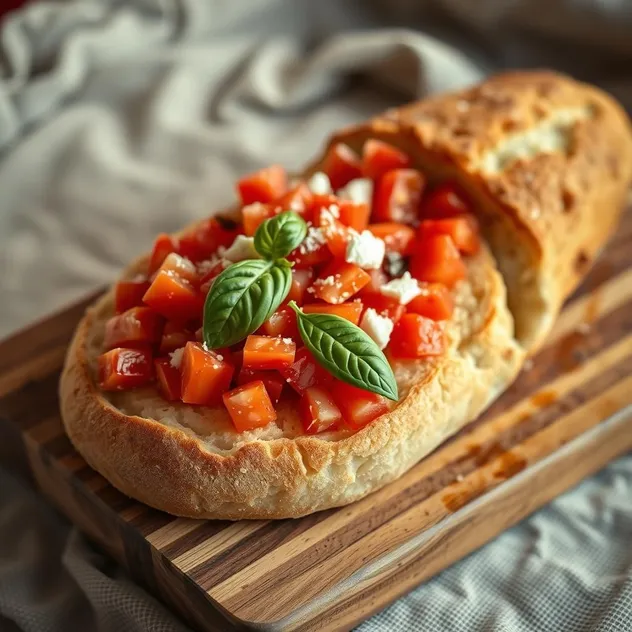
(546, 215)
(577, 192)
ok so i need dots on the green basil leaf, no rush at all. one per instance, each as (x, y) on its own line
(279, 235)
(242, 298)
(347, 352)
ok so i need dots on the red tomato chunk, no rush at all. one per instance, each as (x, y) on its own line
(462, 229)
(129, 294)
(137, 325)
(379, 157)
(384, 305)
(205, 238)
(339, 282)
(249, 406)
(301, 279)
(163, 245)
(349, 311)
(174, 336)
(318, 411)
(205, 375)
(282, 323)
(181, 267)
(174, 298)
(342, 165)
(265, 185)
(398, 238)
(305, 372)
(272, 380)
(169, 379)
(265, 352)
(398, 196)
(437, 260)
(444, 201)
(416, 336)
(359, 407)
(434, 302)
(120, 369)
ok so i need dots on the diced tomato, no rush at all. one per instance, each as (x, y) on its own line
(138, 325)
(174, 336)
(181, 267)
(444, 201)
(253, 215)
(301, 278)
(120, 369)
(206, 279)
(305, 372)
(318, 411)
(379, 157)
(437, 260)
(350, 311)
(358, 407)
(398, 196)
(174, 298)
(339, 282)
(378, 279)
(312, 252)
(272, 380)
(398, 238)
(163, 245)
(249, 406)
(204, 376)
(384, 305)
(129, 294)
(416, 336)
(169, 379)
(298, 199)
(205, 238)
(265, 352)
(463, 230)
(282, 323)
(336, 233)
(354, 215)
(434, 302)
(342, 165)
(265, 185)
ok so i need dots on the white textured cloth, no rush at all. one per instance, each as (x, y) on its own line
(119, 120)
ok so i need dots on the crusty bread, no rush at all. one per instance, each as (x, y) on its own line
(189, 461)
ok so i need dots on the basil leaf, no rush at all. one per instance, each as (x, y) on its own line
(242, 298)
(279, 235)
(347, 352)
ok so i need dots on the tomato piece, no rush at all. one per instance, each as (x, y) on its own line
(318, 411)
(272, 380)
(462, 229)
(416, 336)
(174, 336)
(174, 298)
(301, 279)
(265, 185)
(437, 260)
(355, 215)
(434, 302)
(350, 311)
(265, 352)
(379, 157)
(444, 201)
(384, 305)
(138, 325)
(129, 294)
(358, 407)
(249, 406)
(313, 251)
(378, 279)
(305, 372)
(210, 273)
(340, 281)
(397, 237)
(398, 196)
(204, 376)
(169, 379)
(163, 245)
(120, 369)
(336, 233)
(342, 165)
(181, 267)
(253, 215)
(205, 238)
(298, 199)
(282, 323)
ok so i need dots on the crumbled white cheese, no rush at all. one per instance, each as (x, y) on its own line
(319, 184)
(314, 239)
(403, 289)
(365, 250)
(377, 327)
(242, 248)
(359, 191)
(175, 358)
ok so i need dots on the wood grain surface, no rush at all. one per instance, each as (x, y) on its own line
(566, 416)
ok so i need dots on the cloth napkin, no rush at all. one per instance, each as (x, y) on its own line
(119, 120)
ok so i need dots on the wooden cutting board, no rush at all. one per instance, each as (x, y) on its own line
(565, 418)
